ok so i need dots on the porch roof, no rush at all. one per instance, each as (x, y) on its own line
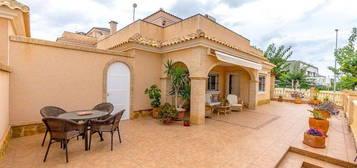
(237, 61)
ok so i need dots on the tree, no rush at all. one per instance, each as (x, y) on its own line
(179, 79)
(346, 57)
(297, 78)
(278, 56)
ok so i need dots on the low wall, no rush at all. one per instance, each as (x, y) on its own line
(4, 107)
(50, 73)
(336, 97)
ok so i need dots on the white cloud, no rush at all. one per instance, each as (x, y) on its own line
(307, 25)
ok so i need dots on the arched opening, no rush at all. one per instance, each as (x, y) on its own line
(227, 79)
(118, 86)
(184, 92)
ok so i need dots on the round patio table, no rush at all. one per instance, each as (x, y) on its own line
(73, 115)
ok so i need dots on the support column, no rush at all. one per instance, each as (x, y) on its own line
(198, 91)
(272, 86)
(163, 88)
(253, 94)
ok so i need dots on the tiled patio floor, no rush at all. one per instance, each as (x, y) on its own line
(254, 138)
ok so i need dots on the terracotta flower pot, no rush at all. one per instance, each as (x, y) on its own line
(181, 114)
(324, 113)
(321, 125)
(314, 141)
(297, 101)
(314, 102)
(155, 112)
(280, 99)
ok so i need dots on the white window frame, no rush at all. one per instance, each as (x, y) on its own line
(216, 86)
(264, 84)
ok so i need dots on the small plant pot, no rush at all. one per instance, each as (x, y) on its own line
(186, 123)
(280, 99)
(321, 125)
(324, 113)
(314, 141)
(314, 102)
(155, 112)
(297, 100)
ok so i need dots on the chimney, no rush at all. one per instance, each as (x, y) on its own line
(113, 26)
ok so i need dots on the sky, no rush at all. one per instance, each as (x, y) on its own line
(306, 25)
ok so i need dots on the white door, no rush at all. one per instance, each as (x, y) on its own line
(118, 88)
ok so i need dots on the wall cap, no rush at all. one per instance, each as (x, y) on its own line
(66, 46)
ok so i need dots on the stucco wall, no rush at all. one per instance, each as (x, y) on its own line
(4, 32)
(4, 103)
(46, 75)
(147, 72)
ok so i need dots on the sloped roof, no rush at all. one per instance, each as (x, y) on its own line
(13, 4)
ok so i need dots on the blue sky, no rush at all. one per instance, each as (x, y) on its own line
(307, 25)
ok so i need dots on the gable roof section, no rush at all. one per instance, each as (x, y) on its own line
(156, 14)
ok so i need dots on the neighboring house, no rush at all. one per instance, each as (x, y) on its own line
(83, 69)
(311, 71)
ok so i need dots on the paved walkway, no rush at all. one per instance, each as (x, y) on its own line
(249, 139)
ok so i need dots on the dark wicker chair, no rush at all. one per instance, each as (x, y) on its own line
(62, 130)
(110, 124)
(50, 111)
(107, 107)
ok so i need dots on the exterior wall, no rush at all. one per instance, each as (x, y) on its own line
(53, 75)
(4, 38)
(147, 72)
(4, 104)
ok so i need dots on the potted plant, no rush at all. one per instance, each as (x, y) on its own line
(186, 123)
(327, 108)
(319, 122)
(167, 113)
(297, 97)
(154, 94)
(180, 85)
(280, 99)
(314, 100)
(314, 138)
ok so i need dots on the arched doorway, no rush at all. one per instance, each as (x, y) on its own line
(118, 88)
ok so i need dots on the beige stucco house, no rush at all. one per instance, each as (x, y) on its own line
(80, 70)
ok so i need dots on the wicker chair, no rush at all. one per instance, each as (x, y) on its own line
(235, 103)
(50, 111)
(62, 130)
(110, 124)
(107, 107)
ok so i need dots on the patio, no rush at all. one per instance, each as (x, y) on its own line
(253, 138)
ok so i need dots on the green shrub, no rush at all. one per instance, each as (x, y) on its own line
(167, 112)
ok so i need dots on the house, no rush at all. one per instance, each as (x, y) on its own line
(311, 71)
(80, 70)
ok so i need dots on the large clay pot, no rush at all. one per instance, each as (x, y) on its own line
(181, 114)
(297, 101)
(321, 125)
(324, 113)
(280, 99)
(155, 112)
(314, 141)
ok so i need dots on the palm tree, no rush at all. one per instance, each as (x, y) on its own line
(278, 56)
(179, 79)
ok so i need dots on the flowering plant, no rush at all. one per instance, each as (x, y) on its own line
(315, 132)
